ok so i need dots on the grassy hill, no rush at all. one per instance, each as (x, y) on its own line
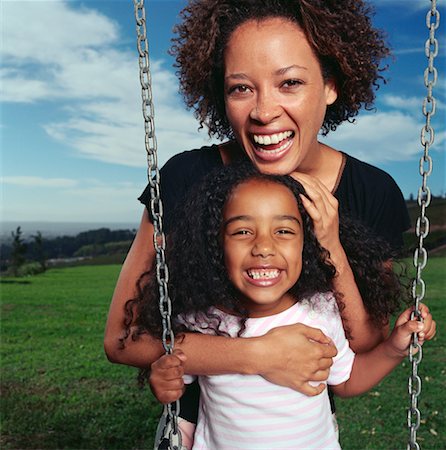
(435, 242)
(59, 391)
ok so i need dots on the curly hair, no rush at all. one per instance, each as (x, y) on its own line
(340, 32)
(198, 278)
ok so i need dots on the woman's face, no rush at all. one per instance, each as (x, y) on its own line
(263, 242)
(275, 94)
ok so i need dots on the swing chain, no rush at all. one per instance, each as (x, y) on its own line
(171, 437)
(422, 224)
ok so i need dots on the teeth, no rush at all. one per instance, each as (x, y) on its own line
(264, 139)
(263, 273)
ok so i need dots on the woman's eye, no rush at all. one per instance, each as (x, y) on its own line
(238, 89)
(292, 83)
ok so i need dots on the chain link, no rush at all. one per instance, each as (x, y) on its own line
(422, 225)
(171, 435)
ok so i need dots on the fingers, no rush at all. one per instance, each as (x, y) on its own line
(316, 190)
(321, 375)
(429, 329)
(322, 207)
(316, 335)
(166, 377)
(430, 326)
(404, 317)
(312, 390)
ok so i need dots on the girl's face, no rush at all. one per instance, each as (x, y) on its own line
(275, 95)
(262, 242)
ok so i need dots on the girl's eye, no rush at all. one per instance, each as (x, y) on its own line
(241, 232)
(286, 231)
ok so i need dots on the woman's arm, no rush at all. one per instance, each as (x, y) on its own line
(323, 209)
(289, 356)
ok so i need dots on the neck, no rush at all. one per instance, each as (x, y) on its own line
(260, 309)
(324, 163)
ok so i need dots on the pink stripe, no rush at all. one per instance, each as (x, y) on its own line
(292, 440)
(278, 404)
(291, 422)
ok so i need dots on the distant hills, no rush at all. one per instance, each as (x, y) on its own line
(56, 229)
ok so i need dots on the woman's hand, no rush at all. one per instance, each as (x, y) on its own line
(322, 207)
(297, 355)
(166, 377)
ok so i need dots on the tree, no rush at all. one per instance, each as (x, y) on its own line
(39, 250)
(18, 251)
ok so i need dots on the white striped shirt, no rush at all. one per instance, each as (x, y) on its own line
(248, 412)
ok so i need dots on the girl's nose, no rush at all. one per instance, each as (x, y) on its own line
(263, 247)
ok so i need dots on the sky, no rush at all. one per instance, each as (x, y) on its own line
(72, 137)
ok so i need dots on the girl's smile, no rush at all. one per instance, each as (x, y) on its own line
(275, 95)
(263, 241)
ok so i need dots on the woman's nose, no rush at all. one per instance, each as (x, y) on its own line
(266, 109)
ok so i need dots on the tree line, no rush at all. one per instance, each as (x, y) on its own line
(38, 250)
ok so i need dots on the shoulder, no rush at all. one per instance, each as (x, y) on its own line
(322, 311)
(367, 176)
(205, 157)
(370, 195)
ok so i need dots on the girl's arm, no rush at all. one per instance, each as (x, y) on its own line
(371, 367)
(289, 356)
(323, 209)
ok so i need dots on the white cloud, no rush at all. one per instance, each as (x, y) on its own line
(38, 182)
(79, 69)
(402, 103)
(382, 137)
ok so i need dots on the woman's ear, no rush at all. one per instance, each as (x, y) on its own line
(331, 92)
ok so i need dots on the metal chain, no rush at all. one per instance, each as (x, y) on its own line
(422, 225)
(172, 437)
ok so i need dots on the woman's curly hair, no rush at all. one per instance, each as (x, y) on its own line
(198, 278)
(340, 32)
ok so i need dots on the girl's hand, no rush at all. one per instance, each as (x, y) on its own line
(322, 207)
(166, 377)
(295, 356)
(430, 326)
(401, 335)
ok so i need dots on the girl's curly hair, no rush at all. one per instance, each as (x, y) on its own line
(198, 278)
(340, 32)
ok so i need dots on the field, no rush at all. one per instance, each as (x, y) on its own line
(59, 390)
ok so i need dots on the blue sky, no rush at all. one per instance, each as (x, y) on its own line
(71, 126)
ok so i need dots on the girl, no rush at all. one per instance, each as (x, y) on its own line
(246, 260)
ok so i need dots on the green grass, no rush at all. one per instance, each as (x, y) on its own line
(378, 419)
(59, 391)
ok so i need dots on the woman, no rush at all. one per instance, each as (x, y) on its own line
(267, 76)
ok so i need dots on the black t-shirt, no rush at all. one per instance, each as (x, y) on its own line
(364, 192)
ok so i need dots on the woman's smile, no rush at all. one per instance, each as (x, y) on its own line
(275, 95)
(272, 147)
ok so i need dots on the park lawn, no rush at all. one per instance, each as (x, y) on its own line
(59, 390)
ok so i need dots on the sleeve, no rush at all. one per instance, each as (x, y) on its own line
(174, 183)
(343, 362)
(390, 217)
(189, 379)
